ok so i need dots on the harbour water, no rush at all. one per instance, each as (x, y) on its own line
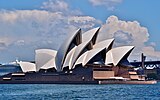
(79, 92)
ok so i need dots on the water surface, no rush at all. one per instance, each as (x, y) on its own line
(79, 92)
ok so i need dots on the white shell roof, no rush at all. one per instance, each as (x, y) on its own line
(69, 57)
(115, 55)
(91, 54)
(27, 66)
(77, 52)
(48, 51)
(62, 52)
(105, 43)
(109, 58)
(49, 64)
(87, 36)
(45, 58)
(81, 59)
(87, 56)
(70, 52)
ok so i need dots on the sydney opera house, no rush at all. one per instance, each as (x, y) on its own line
(80, 59)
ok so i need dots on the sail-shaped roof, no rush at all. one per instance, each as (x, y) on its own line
(45, 59)
(69, 57)
(71, 40)
(27, 66)
(87, 56)
(115, 55)
(106, 43)
(78, 51)
(90, 35)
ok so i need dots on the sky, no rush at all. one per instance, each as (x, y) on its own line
(27, 25)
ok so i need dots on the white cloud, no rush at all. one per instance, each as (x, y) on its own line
(84, 22)
(110, 4)
(23, 31)
(55, 5)
(132, 30)
(123, 38)
(59, 6)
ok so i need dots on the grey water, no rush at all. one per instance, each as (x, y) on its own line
(79, 92)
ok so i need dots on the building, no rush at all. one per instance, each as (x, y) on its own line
(80, 59)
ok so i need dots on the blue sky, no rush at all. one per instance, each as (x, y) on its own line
(32, 24)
